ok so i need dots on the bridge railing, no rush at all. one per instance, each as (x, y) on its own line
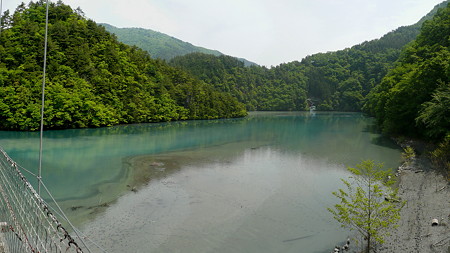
(27, 223)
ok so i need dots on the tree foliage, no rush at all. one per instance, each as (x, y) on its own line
(338, 80)
(261, 89)
(92, 79)
(441, 156)
(412, 98)
(368, 204)
(333, 81)
(435, 114)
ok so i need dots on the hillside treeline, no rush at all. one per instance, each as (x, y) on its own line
(403, 79)
(92, 79)
(414, 97)
(333, 81)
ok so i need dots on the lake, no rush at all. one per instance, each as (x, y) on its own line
(256, 184)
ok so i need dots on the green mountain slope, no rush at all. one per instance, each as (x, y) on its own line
(414, 97)
(332, 81)
(92, 79)
(160, 45)
(259, 88)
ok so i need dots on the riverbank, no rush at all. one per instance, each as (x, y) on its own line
(427, 196)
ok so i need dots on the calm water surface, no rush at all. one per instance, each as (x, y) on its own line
(258, 184)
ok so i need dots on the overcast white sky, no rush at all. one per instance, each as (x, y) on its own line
(268, 32)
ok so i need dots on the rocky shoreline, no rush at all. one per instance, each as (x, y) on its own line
(427, 196)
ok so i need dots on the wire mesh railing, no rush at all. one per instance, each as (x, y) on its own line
(26, 222)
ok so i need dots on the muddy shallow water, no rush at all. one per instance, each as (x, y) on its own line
(260, 201)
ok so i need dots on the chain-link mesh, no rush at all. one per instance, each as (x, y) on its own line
(26, 222)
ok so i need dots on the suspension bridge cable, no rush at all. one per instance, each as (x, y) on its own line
(32, 226)
(37, 195)
(23, 200)
(29, 172)
(1, 16)
(43, 100)
(61, 212)
(40, 183)
(78, 233)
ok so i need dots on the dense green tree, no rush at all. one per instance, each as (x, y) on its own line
(92, 79)
(408, 99)
(435, 114)
(258, 87)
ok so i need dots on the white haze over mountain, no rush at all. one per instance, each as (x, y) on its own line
(263, 31)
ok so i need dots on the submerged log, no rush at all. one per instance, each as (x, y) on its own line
(74, 208)
(298, 238)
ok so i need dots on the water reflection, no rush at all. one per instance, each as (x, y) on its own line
(76, 162)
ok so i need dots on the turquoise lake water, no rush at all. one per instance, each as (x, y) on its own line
(257, 184)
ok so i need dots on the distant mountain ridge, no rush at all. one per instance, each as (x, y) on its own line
(337, 80)
(160, 45)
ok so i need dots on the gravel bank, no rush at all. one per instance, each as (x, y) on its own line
(428, 197)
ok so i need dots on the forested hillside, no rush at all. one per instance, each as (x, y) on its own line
(92, 79)
(333, 81)
(262, 89)
(160, 45)
(414, 97)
